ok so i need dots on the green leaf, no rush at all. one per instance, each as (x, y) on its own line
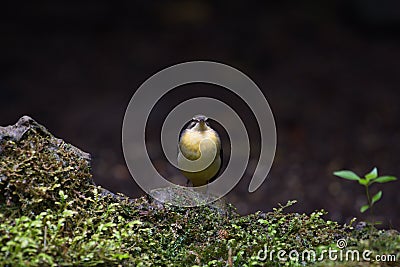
(376, 197)
(385, 179)
(121, 256)
(364, 208)
(363, 181)
(372, 174)
(349, 175)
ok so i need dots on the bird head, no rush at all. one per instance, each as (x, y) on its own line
(199, 122)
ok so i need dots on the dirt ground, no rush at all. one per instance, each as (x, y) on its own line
(330, 73)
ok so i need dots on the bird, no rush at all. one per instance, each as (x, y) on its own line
(199, 149)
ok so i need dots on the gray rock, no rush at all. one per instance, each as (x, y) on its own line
(26, 124)
(186, 196)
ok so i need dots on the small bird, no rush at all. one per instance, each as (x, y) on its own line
(199, 141)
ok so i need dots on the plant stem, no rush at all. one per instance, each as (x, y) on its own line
(369, 203)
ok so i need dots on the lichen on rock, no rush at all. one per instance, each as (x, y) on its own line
(34, 166)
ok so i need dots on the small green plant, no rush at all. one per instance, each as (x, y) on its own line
(368, 179)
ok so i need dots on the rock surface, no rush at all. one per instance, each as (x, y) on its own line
(35, 166)
(25, 126)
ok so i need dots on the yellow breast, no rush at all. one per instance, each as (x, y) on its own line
(189, 147)
(190, 140)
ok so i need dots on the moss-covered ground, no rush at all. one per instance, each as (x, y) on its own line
(51, 214)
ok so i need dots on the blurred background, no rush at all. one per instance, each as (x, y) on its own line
(330, 71)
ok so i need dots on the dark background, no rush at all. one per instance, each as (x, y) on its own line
(330, 71)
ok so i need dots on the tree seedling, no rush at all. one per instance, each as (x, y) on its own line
(369, 179)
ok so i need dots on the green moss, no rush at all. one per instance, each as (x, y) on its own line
(51, 214)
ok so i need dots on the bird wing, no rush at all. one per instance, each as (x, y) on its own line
(221, 155)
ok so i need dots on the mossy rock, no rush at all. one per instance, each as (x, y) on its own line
(52, 214)
(187, 197)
